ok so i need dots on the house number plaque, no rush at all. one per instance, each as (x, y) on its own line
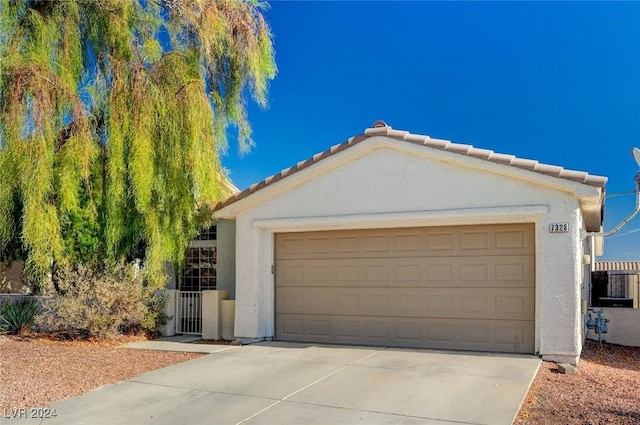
(558, 227)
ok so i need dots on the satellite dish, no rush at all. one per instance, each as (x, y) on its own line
(636, 155)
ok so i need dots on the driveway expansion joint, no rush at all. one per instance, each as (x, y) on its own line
(285, 398)
(444, 421)
(204, 390)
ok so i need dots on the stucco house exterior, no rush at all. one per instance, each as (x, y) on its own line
(398, 239)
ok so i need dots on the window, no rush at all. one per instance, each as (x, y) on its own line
(208, 234)
(199, 270)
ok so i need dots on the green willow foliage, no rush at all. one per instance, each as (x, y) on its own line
(112, 115)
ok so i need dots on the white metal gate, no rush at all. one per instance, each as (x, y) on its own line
(189, 312)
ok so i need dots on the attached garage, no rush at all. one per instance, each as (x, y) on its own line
(402, 240)
(457, 287)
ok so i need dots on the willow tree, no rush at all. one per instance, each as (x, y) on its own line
(112, 117)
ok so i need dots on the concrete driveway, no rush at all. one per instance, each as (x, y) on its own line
(287, 383)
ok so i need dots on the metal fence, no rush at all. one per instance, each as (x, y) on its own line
(189, 312)
(616, 289)
(623, 285)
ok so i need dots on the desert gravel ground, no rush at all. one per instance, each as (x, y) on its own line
(35, 372)
(604, 390)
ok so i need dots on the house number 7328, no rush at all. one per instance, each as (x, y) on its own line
(558, 227)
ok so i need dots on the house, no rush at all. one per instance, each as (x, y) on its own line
(398, 239)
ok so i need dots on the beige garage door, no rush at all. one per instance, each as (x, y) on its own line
(462, 287)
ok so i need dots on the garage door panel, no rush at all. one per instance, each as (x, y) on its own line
(409, 302)
(319, 300)
(465, 287)
(346, 274)
(477, 241)
(473, 271)
(347, 302)
(409, 332)
(441, 242)
(481, 271)
(408, 242)
(474, 305)
(507, 239)
(309, 301)
(347, 245)
(291, 273)
(482, 335)
(348, 329)
(377, 303)
(443, 303)
(291, 300)
(319, 245)
(319, 328)
(474, 334)
(514, 238)
(441, 333)
(377, 331)
(514, 337)
(376, 244)
(290, 246)
(515, 270)
(510, 303)
(291, 327)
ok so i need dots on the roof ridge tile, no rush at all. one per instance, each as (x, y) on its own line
(502, 158)
(438, 143)
(480, 153)
(415, 138)
(459, 148)
(377, 131)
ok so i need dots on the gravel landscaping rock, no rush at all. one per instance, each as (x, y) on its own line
(35, 372)
(605, 389)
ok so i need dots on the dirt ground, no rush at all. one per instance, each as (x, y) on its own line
(604, 390)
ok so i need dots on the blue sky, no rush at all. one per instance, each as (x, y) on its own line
(555, 82)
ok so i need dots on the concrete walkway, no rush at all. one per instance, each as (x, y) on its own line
(287, 383)
(183, 343)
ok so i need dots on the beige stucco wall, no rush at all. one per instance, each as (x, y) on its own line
(623, 326)
(385, 183)
(212, 314)
(169, 328)
(172, 278)
(226, 261)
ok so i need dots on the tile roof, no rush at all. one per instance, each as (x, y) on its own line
(381, 129)
(602, 266)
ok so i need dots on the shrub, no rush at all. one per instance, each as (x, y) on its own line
(102, 302)
(17, 316)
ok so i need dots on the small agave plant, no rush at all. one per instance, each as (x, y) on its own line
(17, 316)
